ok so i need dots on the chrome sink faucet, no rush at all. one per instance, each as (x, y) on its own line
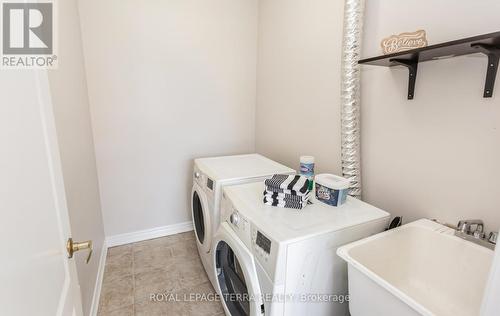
(465, 226)
(473, 230)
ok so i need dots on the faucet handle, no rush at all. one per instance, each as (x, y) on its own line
(493, 238)
(479, 232)
(463, 226)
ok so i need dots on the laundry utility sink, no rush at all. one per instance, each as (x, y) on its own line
(418, 269)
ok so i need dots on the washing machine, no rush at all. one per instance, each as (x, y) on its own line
(275, 261)
(210, 176)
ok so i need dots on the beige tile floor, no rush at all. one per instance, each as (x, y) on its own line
(165, 265)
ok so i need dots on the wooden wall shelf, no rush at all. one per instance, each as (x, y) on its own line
(487, 44)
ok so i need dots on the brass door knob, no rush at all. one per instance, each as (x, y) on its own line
(73, 247)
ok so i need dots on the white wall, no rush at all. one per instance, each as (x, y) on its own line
(71, 111)
(436, 156)
(299, 81)
(168, 81)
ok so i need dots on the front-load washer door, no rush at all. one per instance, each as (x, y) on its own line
(200, 212)
(237, 281)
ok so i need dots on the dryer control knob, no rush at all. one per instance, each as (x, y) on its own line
(197, 175)
(234, 218)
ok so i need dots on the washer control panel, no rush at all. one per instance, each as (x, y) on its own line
(267, 252)
(263, 242)
(261, 245)
(264, 249)
(239, 224)
(199, 177)
(206, 184)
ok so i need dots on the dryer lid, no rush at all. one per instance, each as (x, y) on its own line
(283, 224)
(231, 168)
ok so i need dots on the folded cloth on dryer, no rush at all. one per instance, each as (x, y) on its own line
(282, 191)
(287, 197)
(288, 184)
(285, 203)
(288, 191)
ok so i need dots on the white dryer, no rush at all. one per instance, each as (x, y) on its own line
(210, 176)
(273, 261)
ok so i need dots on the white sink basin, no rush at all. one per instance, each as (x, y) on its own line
(417, 269)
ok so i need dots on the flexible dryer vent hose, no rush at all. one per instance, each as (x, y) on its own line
(350, 102)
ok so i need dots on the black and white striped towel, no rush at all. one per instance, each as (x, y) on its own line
(283, 191)
(288, 184)
(283, 196)
(285, 203)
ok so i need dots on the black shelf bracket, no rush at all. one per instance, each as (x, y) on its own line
(493, 54)
(412, 65)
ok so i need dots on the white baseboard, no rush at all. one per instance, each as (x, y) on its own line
(98, 282)
(123, 239)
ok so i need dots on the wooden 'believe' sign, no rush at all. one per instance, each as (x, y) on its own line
(403, 42)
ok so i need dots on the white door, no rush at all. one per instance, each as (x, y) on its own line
(36, 276)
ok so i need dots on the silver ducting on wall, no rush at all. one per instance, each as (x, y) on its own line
(350, 95)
